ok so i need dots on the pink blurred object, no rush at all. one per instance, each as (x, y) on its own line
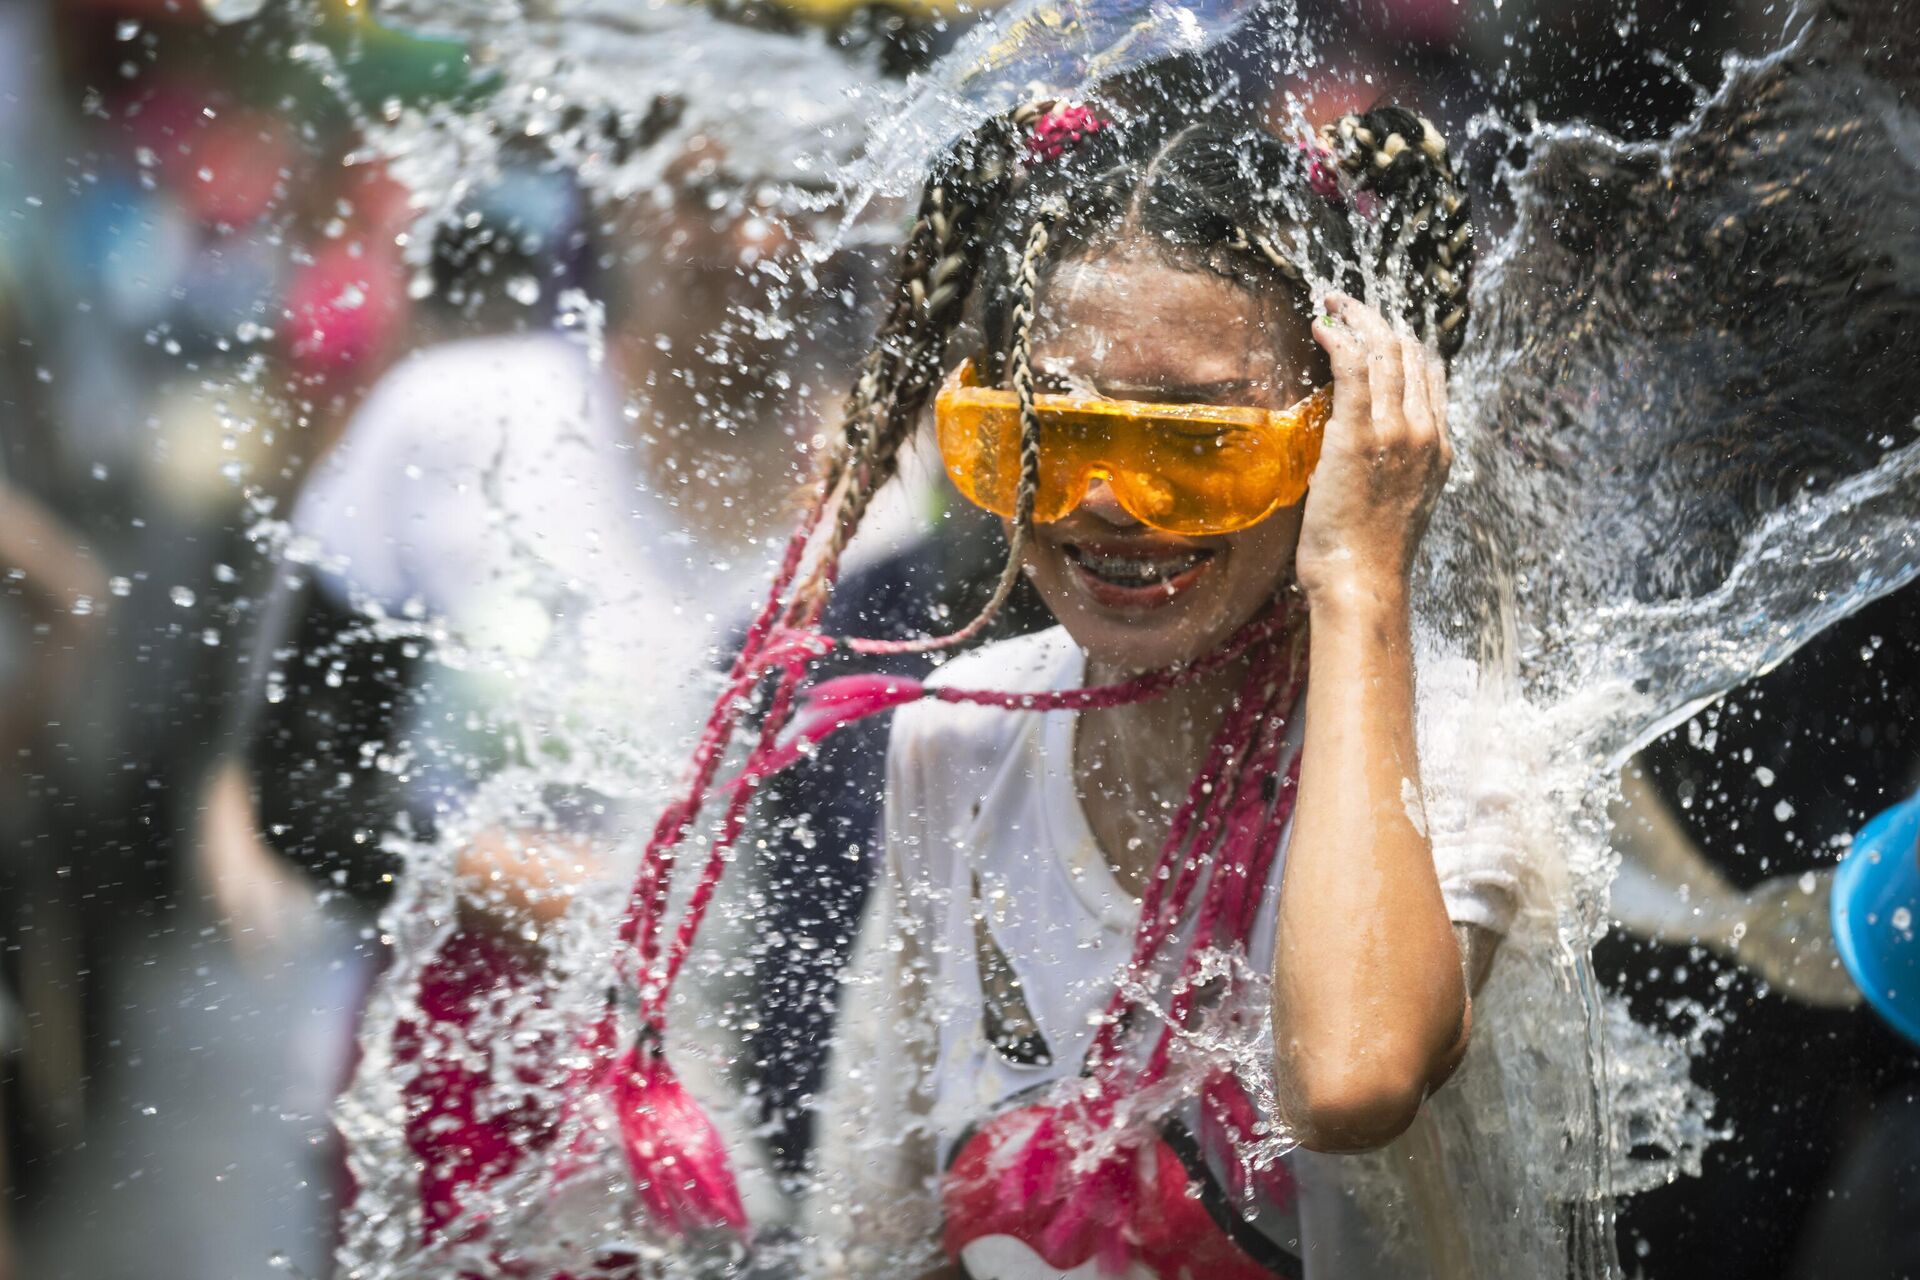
(1024, 1176)
(680, 1167)
(1060, 129)
(342, 309)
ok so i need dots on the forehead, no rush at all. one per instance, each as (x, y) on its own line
(1132, 318)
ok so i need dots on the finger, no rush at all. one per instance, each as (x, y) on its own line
(1352, 419)
(1413, 375)
(1387, 377)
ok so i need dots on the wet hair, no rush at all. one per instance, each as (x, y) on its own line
(1243, 204)
(1376, 199)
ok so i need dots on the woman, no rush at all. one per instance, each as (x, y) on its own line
(1056, 928)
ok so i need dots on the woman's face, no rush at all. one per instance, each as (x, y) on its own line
(1128, 325)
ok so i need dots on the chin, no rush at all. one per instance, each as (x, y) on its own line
(1140, 604)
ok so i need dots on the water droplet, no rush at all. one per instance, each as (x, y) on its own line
(1901, 919)
(182, 596)
(524, 290)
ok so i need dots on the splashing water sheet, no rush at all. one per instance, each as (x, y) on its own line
(1686, 443)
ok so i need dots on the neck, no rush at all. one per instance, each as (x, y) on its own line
(1135, 763)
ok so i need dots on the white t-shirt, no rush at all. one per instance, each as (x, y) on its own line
(492, 487)
(983, 814)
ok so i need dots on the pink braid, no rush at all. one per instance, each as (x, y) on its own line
(1210, 795)
(1245, 856)
(718, 731)
(730, 828)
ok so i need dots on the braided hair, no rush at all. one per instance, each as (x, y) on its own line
(1376, 203)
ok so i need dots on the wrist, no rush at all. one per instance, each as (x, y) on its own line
(1356, 595)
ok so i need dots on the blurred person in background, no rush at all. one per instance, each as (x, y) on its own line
(568, 509)
(571, 509)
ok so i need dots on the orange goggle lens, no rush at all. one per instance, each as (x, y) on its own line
(1189, 469)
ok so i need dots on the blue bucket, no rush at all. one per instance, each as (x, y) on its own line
(1876, 915)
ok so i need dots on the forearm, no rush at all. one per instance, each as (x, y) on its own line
(514, 880)
(1370, 1000)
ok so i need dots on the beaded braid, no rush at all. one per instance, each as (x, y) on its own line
(1402, 158)
(939, 266)
(1028, 490)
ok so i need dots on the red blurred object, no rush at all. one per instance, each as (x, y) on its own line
(464, 1133)
(343, 309)
(226, 165)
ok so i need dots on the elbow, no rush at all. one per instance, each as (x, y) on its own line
(1356, 1111)
(1351, 1103)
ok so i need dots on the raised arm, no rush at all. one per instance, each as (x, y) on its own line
(1371, 1006)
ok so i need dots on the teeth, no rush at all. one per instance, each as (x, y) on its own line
(1129, 571)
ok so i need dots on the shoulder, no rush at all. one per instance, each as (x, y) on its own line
(457, 403)
(483, 373)
(451, 441)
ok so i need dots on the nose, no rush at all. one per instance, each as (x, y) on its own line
(1103, 504)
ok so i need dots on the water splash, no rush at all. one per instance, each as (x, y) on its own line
(1686, 444)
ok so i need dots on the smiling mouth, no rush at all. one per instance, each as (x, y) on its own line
(1133, 577)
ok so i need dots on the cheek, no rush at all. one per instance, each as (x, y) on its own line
(1261, 558)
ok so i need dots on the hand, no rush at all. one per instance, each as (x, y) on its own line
(1384, 459)
(1781, 932)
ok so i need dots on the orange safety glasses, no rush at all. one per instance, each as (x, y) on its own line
(1189, 469)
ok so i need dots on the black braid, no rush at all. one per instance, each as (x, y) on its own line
(1400, 158)
(938, 267)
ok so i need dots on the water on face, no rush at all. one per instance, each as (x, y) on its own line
(1686, 445)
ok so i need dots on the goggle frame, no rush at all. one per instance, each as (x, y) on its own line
(1275, 454)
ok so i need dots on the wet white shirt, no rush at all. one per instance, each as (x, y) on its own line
(981, 806)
